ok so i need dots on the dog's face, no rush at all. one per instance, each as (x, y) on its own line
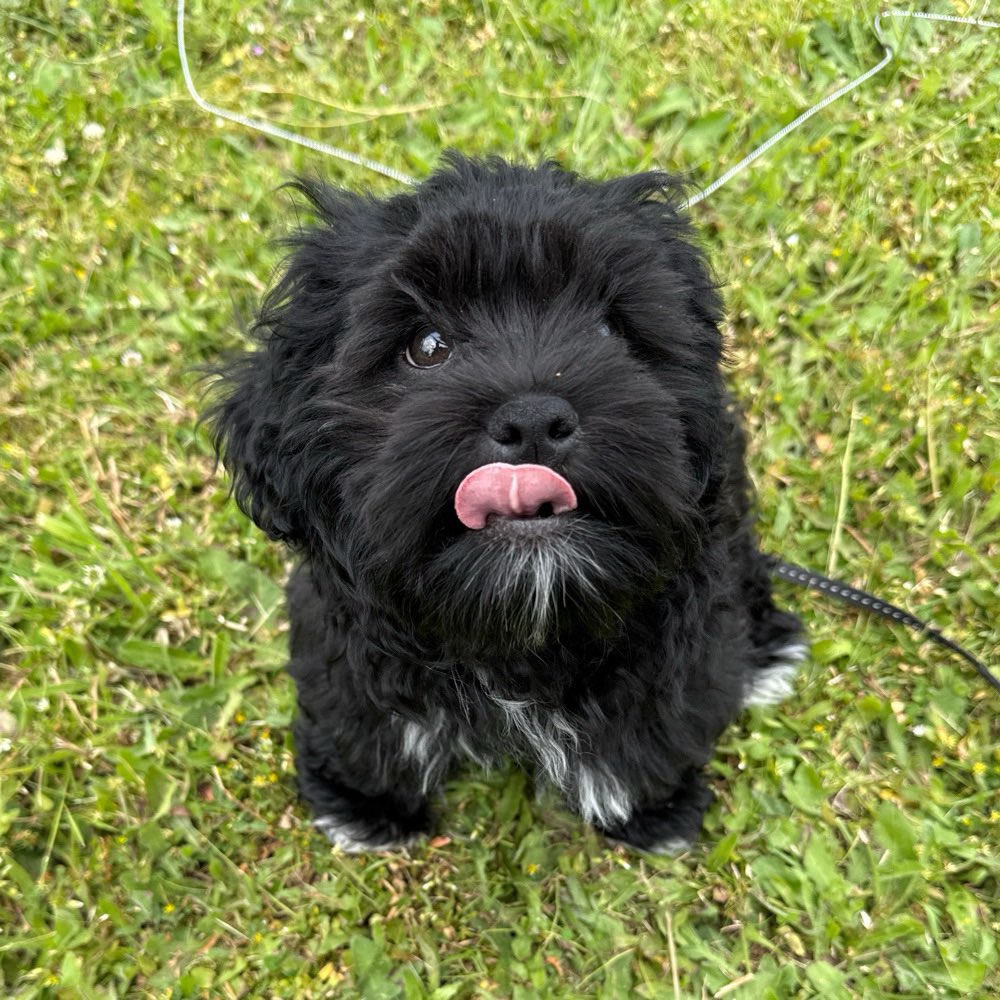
(490, 409)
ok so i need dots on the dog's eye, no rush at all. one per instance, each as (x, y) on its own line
(427, 350)
(605, 330)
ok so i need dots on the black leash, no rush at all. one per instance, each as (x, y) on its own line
(869, 602)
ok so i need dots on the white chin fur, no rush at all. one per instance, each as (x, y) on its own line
(774, 683)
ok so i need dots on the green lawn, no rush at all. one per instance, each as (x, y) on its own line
(150, 841)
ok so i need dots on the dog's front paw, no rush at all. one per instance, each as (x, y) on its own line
(357, 838)
(671, 847)
(771, 684)
(667, 827)
(638, 838)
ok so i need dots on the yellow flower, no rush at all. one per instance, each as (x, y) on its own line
(979, 767)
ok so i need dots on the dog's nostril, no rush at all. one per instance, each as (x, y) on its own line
(507, 434)
(561, 429)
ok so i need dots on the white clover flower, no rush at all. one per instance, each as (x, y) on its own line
(93, 132)
(55, 154)
(131, 359)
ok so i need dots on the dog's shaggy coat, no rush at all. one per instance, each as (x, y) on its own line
(510, 325)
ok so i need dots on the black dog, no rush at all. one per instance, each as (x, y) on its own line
(490, 417)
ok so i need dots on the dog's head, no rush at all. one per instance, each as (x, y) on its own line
(491, 408)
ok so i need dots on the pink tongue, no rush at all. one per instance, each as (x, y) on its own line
(510, 491)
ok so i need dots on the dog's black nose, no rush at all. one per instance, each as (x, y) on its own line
(533, 428)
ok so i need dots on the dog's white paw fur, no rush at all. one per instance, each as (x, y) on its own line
(347, 837)
(671, 847)
(774, 683)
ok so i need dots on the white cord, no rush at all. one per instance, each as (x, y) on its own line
(275, 130)
(830, 98)
(361, 161)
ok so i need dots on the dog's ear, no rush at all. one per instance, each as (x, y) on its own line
(245, 423)
(268, 416)
(675, 271)
(657, 200)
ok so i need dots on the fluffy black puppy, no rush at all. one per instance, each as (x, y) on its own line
(489, 416)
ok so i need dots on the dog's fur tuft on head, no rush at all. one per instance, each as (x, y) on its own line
(489, 415)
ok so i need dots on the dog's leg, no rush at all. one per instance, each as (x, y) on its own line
(666, 821)
(669, 826)
(365, 772)
(777, 637)
(365, 791)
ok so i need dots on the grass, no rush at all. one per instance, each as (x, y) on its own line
(151, 841)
